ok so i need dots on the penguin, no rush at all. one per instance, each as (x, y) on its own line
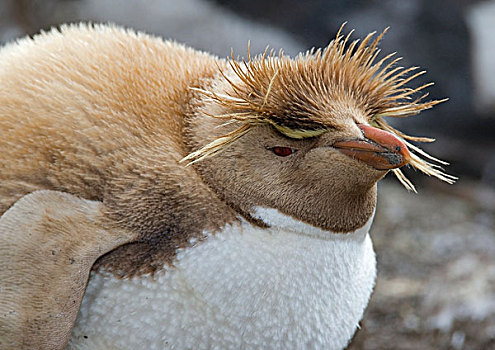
(154, 196)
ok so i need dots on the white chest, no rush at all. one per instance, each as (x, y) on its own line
(243, 288)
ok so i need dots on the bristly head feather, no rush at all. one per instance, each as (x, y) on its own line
(290, 94)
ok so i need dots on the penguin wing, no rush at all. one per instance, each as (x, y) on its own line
(49, 241)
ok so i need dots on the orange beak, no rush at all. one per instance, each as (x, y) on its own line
(380, 149)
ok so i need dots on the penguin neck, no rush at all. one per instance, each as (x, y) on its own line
(278, 221)
(334, 208)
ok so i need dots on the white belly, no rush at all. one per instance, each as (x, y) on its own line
(243, 288)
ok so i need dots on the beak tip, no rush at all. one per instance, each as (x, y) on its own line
(380, 149)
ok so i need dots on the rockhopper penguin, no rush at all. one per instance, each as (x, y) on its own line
(212, 203)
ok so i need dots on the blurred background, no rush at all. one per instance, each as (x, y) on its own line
(435, 249)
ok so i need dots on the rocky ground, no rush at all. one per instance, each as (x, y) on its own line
(436, 263)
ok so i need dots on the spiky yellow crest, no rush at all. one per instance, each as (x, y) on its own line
(289, 95)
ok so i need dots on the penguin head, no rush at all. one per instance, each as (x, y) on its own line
(307, 135)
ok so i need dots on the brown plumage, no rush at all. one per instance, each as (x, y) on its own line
(111, 123)
(105, 124)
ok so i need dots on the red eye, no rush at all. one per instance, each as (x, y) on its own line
(283, 151)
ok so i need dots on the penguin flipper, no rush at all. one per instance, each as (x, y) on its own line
(49, 241)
